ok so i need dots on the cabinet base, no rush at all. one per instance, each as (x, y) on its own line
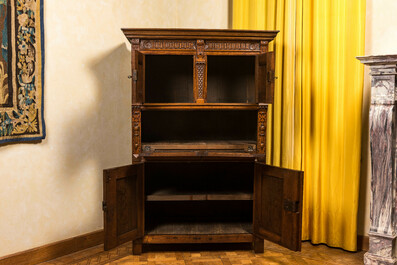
(257, 243)
(199, 239)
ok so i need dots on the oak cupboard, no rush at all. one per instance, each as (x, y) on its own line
(199, 119)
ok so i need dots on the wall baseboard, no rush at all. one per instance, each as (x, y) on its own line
(54, 250)
(362, 243)
(78, 243)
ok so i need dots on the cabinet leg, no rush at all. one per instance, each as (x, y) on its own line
(259, 245)
(137, 247)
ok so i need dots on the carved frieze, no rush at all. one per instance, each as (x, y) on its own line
(168, 45)
(232, 46)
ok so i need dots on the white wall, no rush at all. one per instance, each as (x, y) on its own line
(380, 38)
(53, 190)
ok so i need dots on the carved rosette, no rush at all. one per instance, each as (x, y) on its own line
(136, 130)
(262, 121)
(168, 45)
(232, 46)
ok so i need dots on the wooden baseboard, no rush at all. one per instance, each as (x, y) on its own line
(54, 250)
(362, 243)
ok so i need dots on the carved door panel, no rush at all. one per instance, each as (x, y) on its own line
(264, 78)
(138, 77)
(278, 205)
(123, 204)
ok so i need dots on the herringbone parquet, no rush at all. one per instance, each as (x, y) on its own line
(274, 254)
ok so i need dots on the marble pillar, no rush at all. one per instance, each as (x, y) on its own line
(382, 122)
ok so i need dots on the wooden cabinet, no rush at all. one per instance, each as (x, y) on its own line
(199, 119)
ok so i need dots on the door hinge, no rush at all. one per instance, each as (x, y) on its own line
(291, 206)
(134, 75)
(104, 206)
(271, 76)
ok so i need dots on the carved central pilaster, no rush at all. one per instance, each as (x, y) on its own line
(200, 80)
(382, 120)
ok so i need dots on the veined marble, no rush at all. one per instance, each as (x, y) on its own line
(382, 116)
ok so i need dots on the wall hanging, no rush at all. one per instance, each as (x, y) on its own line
(21, 70)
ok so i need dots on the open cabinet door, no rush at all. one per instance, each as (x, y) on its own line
(123, 204)
(138, 77)
(278, 205)
(264, 77)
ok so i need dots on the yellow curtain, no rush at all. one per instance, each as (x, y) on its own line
(317, 106)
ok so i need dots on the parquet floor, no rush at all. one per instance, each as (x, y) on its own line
(274, 254)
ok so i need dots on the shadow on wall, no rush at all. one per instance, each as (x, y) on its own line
(102, 134)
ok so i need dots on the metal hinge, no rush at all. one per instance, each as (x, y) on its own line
(271, 76)
(104, 206)
(134, 75)
(291, 206)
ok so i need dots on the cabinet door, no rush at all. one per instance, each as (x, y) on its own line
(138, 77)
(264, 77)
(123, 204)
(278, 205)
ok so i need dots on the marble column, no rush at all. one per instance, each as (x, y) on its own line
(382, 122)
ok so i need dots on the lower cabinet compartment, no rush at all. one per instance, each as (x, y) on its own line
(198, 218)
(190, 201)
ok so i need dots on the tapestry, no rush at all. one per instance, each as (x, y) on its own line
(21, 70)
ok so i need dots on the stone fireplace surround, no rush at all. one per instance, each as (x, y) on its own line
(383, 133)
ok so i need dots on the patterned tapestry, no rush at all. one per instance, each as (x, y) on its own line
(21, 70)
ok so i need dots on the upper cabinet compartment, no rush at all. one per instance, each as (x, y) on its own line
(231, 79)
(169, 79)
(183, 68)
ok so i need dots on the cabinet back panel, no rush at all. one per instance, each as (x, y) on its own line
(231, 79)
(180, 126)
(169, 78)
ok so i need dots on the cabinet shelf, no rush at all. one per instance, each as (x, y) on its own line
(198, 106)
(199, 228)
(247, 146)
(173, 195)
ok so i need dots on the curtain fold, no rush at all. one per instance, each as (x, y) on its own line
(317, 108)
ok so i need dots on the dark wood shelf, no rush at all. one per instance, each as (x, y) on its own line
(174, 195)
(198, 106)
(199, 228)
(245, 146)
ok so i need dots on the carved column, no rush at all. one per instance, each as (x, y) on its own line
(382, 121)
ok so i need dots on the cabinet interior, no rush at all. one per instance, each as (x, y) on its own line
(199, 125)
(198, 197)
(169, 79)
(231, 79)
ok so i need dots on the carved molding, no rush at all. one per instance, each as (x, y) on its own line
(261, 138)
(168, 45)
(200, 68)
(134, 44)
(136, 130)
(264, 46)
(232, 46)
